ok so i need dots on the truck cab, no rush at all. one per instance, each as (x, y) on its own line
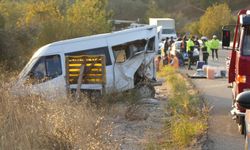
(238, 72)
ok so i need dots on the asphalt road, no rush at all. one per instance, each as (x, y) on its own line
(223, 131)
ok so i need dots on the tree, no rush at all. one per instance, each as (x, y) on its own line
(154, 11)
(192, 28)
(88, 17)
(214, 18)
(29, 24)
(128, 9)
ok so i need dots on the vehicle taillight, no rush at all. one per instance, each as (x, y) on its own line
(241, 79)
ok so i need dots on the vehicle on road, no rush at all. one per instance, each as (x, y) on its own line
(243, 99)
(167, 24)
(111, 62)
(238, 72)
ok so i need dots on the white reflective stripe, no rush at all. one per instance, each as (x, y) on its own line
(241, 19)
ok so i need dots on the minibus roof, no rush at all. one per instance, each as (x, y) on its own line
(50, 48)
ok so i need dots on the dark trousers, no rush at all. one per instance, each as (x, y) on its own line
(216, 53)
(205, 57)
(190, 59)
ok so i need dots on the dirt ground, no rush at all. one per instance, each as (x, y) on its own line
(136, 125)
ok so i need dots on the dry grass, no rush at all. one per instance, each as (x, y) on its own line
(188, 115)
(32, 122)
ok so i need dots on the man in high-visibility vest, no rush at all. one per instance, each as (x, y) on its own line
(190, 49)
(214, 46)
(205, 49)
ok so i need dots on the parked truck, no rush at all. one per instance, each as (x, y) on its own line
(112, 62)
(167, 24)
(239, 72)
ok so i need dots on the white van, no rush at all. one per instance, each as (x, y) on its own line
(129, 58)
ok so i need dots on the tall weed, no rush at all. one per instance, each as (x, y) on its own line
(32, 122)
(188, 119)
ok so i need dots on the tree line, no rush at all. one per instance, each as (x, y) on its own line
(27, 25)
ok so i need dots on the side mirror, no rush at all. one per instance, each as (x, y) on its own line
(226, 38)
(244, 99)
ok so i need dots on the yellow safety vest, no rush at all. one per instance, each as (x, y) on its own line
(190, 44)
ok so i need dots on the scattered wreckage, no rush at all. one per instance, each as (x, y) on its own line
(104, 63)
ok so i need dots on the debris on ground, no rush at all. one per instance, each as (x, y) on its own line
(136, 124)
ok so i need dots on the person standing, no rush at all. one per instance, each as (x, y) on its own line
(184, 44)
(214, 46)
(166, 45)
(205, 49)
(190, 49)
(166, 49)
(196, 42)
(196, 52)
(171, 41)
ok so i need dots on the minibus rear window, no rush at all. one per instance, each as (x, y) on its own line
(246, 42)
(96, 51)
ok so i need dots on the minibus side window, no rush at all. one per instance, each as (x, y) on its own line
(151, 44)
(120, 53)
(246, 42)
(125, 51)
(46, 68)
(96, 51)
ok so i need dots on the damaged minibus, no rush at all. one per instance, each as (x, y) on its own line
(128, 56)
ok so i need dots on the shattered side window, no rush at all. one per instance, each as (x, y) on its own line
(120, 53)
(139, 44)
(127, 50)
(151, 44)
